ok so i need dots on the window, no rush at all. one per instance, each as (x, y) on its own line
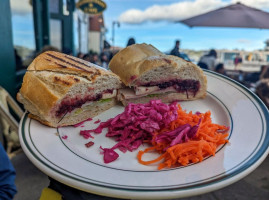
(54, 6)
(23, 30)
(56, 33)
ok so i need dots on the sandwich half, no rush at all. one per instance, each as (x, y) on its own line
(61, 90)
(149, 74)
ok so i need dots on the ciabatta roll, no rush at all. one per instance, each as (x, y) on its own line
(150, 74)
(60, 90)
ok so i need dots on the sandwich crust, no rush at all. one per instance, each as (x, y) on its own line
(55, 77)
(134, 60)
(62, 63)
(37, 94)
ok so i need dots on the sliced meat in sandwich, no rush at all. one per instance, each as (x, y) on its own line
(150, 74)
(60, 90)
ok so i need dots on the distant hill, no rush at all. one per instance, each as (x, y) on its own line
(193, 54)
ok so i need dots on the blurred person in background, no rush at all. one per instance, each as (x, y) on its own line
(220, 69)
(131, 41)
(264, 72)
(107, 50)
(208, 61)
(104, 60)
(87, 57)
(238, 61)
(95, 59)
(175, 50)
(80, 55)
(48, 48)
(67, 51)
(114, 52)
(253, 78)
(262, 86)
(7, 177)
(262, 90)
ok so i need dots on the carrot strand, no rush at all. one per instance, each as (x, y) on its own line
(205, 143)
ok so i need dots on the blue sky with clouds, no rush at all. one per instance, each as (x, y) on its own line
(152, 21)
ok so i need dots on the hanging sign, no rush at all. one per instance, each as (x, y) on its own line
(93, 7)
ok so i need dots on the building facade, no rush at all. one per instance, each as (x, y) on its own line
(96, 33)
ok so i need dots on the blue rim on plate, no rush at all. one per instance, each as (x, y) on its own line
(245, 167)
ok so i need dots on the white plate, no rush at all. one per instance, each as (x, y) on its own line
(70, 162)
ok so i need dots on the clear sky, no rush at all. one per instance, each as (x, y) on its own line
(152, 21)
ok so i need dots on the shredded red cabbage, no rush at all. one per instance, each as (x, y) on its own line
(179, 135)
(89, 144)
(137, 123)
(109, 155)
(81, 123)
(97, 121)
(64, 137)
(86, 134)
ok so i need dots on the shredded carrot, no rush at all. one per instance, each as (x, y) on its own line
(205, 143)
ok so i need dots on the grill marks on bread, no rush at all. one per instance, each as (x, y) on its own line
(53, 76)
(59, 80)
(61, 63)
(58, 83)
(82, 63)
(69, 63)
(75, 63)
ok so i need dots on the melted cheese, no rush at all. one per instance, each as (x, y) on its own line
(109, 95)
(145, 90)
(128, 93)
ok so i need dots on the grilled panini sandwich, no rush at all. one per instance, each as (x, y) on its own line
(149, 74)
(60, 90)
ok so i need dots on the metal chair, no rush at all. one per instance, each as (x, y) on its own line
(9, 124)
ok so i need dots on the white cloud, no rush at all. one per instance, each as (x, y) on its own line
(171, 12)
(261, 4)
(20, 7)
(181, 10)
(244, 41)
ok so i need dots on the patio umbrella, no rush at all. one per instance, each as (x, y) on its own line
(235, 15)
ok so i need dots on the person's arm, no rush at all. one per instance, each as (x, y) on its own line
(213, 63)
(7, 177)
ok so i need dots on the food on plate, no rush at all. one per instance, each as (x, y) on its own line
(180, 137)
(81, 124)
(150, 74)
(89, 144)
(136, 125)
(188, 139)
(60, 90)
(64, 137)
(109, 155)
(86, 134)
